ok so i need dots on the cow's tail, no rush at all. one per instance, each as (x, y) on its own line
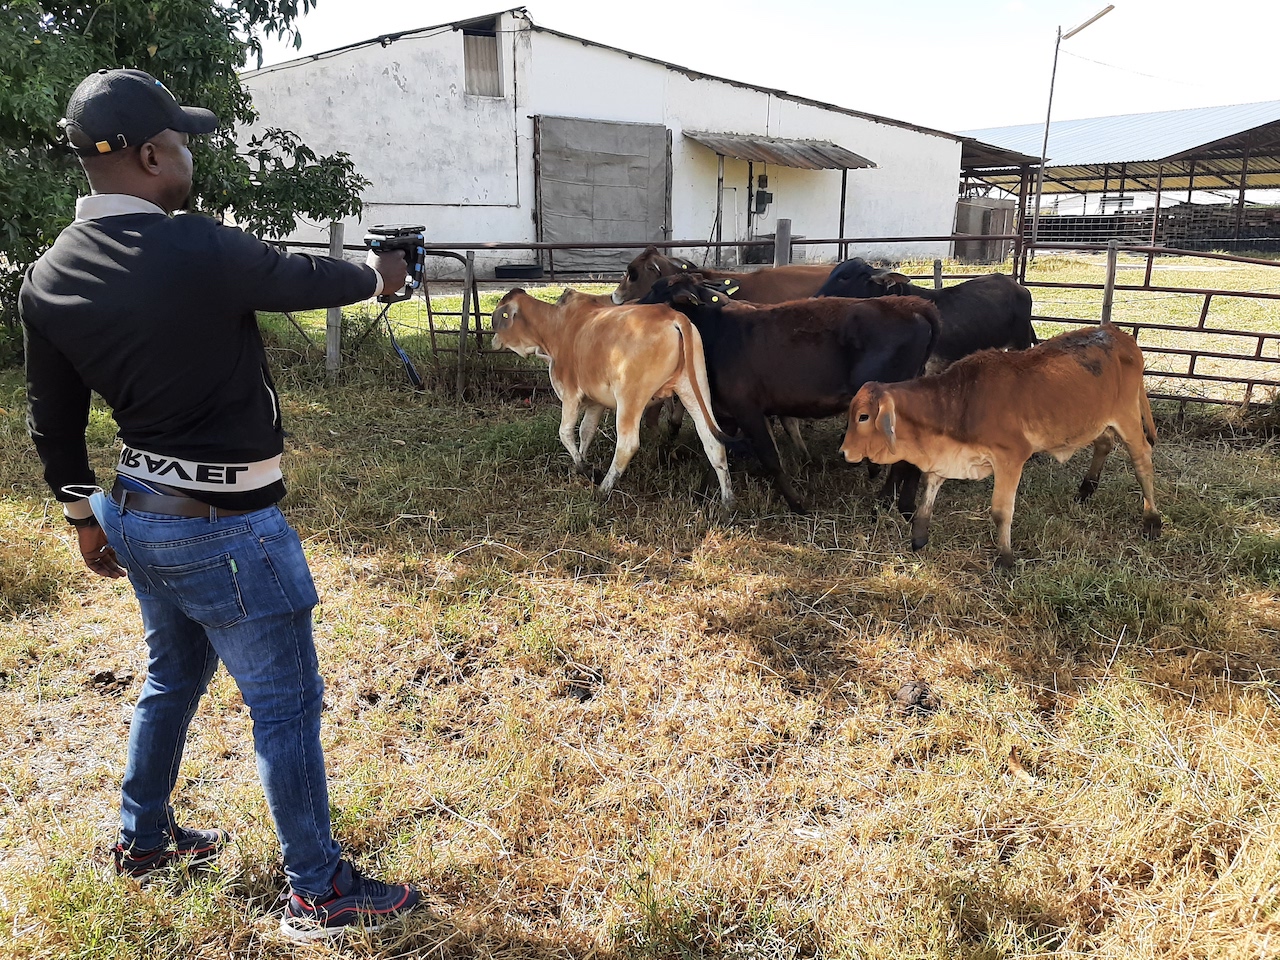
(1148, 422)
(928, 310)
(695, 362)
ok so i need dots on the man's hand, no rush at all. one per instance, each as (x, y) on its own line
(392, 267)
(97, 553)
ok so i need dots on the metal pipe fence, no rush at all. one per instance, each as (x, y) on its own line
(1205, 359)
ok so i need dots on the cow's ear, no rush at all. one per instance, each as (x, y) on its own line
(502, 316)
(888, 422)
(891, 278)
(686, 296)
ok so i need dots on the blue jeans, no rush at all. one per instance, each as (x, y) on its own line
(238, 590)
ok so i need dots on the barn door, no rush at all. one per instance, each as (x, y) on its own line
(598, 182)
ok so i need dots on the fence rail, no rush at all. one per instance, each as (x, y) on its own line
(1211, 359)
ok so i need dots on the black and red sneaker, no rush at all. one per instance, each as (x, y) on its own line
(187, 848)
(356, 901)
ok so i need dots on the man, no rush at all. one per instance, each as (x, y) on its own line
(155, 313)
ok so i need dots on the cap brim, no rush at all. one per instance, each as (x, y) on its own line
(196, 120)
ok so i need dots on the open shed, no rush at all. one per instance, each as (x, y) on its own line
(1230, 149)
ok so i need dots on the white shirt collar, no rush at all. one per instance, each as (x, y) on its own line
(99, 205)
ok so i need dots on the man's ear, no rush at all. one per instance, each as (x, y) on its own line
(149, 158)
(888, 422)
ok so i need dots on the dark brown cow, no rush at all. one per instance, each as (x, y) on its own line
(601, 356)
(766, 285)
(805, 358)
(989, 412)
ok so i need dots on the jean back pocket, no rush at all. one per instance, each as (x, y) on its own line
(206, 590)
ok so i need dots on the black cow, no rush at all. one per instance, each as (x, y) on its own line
(804, 358)
(981, 314)
(991, 312)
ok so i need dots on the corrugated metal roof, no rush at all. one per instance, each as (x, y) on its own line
(976, 155)
(1134, 136)
(802, 154)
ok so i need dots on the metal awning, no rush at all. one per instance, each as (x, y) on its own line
(801, 154)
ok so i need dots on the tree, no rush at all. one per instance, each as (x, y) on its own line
(195, 47)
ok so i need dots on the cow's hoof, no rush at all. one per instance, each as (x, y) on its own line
(1087, 488)
(1151, 527)
(1004, 561)
(919, 543)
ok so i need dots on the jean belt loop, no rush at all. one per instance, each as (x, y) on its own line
(213, 514)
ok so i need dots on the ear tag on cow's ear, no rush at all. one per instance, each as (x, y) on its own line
(684, 266)
(715, 298)
(731, 290)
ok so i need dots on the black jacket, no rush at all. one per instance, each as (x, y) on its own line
(156, 315)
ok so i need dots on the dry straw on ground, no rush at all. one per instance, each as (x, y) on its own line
(643, 729)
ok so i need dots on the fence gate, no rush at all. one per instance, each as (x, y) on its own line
(599, 181)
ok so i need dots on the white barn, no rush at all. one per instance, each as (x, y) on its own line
(497, 129)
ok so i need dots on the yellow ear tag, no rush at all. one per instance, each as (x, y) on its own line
(714, 298)
(684, 266)
(731, 291)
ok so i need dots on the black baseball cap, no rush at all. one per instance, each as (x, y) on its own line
(114, 109)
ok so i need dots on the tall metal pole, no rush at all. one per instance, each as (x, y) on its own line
(1044, 148)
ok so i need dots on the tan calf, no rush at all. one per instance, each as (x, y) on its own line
(621, 358)
(989, 412)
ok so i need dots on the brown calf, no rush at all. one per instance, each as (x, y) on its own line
(619, 358)
(767, 285)
(989, 412)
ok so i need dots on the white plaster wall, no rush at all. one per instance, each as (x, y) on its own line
(463, 165)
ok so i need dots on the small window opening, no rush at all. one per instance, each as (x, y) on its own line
(480, 58)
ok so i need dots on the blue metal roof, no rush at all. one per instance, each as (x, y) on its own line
(1131, 137)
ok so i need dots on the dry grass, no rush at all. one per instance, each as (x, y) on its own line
(642, 729)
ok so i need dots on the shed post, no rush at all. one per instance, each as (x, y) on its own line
(719, 206)
(937, 274)
(1019, 266)
(333, 318)
(1155, 223)
(1109, 289)
(782, 243)
(1244, 180)
(844, 190)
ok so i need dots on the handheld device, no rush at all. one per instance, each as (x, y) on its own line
(407, 238)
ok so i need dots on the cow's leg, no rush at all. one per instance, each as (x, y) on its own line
(792, 426)
(902, 483)
(628, 425)
(1008, 475)
(1135, 440)
(569, 409)
(714, 448)
(924, 512)
(587, 429)
(1101, 448)
(756, 427)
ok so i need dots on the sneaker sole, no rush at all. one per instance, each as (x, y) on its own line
(193, 862)
(304, 931)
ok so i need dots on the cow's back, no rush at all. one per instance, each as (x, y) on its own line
(1059, 389)
(773, 285)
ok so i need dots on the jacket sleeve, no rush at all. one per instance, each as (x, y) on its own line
(57, 415)
(266, 278)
